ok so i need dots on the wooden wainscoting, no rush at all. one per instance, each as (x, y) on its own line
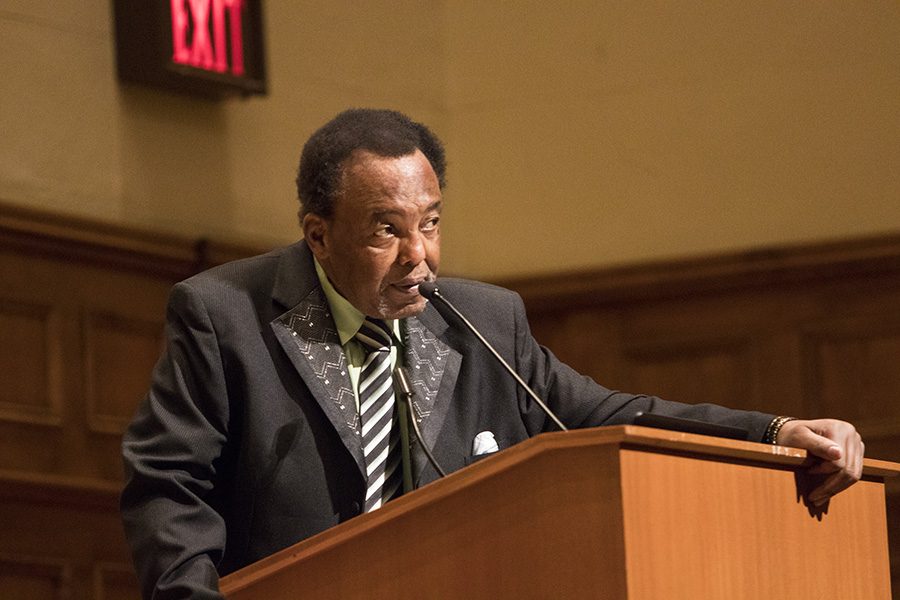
(82, 308)
(809, 331)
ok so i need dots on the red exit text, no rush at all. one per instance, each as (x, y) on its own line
(201, 32)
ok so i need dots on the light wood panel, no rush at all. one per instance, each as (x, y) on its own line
(710, 550)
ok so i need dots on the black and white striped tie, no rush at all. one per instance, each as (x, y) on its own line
(376, 410)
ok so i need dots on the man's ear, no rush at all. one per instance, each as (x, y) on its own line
(315, 230)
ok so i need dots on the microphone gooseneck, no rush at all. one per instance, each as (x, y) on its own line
(406, 390)
(430, 290)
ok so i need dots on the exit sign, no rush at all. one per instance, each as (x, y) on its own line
(212, 48)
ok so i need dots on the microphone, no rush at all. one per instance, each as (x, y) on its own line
(430, 290)
(406, 390)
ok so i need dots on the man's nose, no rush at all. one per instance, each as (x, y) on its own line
(412, 249)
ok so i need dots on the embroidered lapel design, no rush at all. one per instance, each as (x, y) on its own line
(433, 367)
(426, 359)
(309, 336)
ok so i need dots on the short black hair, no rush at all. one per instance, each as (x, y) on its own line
(382, 132)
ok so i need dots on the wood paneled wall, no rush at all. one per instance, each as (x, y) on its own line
(807, 331)
(81, 322)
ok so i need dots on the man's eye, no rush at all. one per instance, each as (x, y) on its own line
(385, 230)
(431, 224)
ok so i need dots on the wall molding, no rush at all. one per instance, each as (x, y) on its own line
(56, 490)
(111, 245)
(787, 264)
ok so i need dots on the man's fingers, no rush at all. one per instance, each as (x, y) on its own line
(837, 482)
(801, 435)
(835, 450)
(824, 448)
(822, 467)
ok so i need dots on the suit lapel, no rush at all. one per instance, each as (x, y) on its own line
(433, 367)
(308, 335)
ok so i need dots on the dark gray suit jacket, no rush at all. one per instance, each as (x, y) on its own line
(248, 440)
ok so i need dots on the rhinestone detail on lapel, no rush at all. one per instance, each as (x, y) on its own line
(313, 330)
(426, 360)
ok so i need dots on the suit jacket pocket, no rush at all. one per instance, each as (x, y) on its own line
(501, 443)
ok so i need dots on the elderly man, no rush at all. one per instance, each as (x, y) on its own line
(271, 415)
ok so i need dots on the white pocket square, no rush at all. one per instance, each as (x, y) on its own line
(484, 444)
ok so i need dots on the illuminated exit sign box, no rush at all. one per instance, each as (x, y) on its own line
(211, 48)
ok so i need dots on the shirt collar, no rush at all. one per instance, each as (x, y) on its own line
(347, 318)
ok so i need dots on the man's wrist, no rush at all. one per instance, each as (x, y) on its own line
(774, 428)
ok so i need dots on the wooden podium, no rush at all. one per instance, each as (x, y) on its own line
(615, 512)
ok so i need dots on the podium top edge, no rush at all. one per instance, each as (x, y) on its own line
(651, 437)
(677, 441)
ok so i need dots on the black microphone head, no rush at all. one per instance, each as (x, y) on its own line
(428, 289)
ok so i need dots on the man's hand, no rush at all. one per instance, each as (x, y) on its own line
(836, 450)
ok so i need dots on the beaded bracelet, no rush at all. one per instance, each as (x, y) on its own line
(774, 427)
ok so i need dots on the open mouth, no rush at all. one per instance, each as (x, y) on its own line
(410, 288)
(410, 285)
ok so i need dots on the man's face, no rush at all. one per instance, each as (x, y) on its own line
(384, 237)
